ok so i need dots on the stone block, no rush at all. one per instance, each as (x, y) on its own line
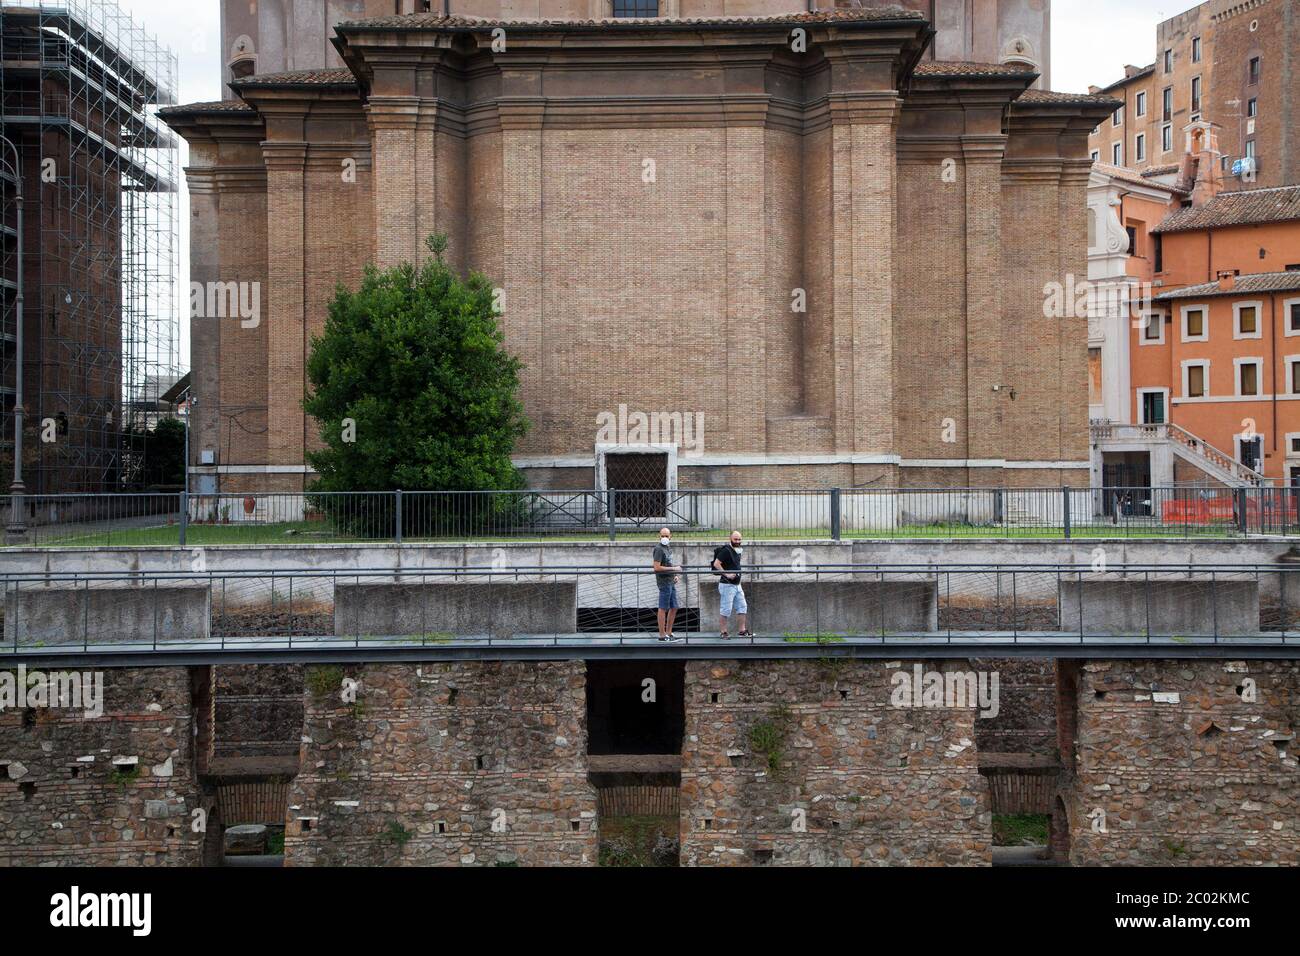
(108, 612)
(456, 608)
(1197, 606)
(833, 607)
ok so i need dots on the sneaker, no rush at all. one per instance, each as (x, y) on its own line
(746, 633)
(663, 638)
(674, 639)
(726, 636)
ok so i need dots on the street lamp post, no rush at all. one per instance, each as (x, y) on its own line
(17, 528)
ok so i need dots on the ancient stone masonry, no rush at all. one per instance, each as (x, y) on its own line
(258, 710)
(1183, 762)
(116, 789)
(444, 764)
(1026, 717)
(809, 762)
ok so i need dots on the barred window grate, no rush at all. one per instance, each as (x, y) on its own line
(636, 8)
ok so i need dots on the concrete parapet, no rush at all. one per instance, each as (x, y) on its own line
(1161, 605)
(498, 607)
(898, 603)
(107, 612)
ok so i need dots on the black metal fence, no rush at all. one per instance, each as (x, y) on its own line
(761, 514)
(787, 603)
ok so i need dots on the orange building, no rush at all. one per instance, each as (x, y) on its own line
(1214, 350)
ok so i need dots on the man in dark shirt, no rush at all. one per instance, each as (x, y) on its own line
(667, 575)
(731, 596)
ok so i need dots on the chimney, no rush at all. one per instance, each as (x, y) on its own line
(1130, 70)
(1227, 281)
(1094, 90)
(1199, 170)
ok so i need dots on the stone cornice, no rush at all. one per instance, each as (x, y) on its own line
(208, 180)
(284, 156)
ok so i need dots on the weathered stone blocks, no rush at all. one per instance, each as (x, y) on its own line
(107, 613)
(1185, 763)
(833, 607)
(1161, 606)
(118, 789)
(443, 765)
(496, 607)
(809, 762)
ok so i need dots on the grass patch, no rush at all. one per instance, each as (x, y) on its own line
(323, 681)
(1020, 829)
(790, 638)
(275, 842)
(395, 835)
(639, 841)
(124, 775)
(767, 738)
(304, 532)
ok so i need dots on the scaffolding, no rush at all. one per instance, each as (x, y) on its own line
(80, 87)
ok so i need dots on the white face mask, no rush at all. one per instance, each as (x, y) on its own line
(665, 541)
(738, 549)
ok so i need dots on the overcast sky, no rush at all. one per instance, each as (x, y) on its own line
(1091, 42)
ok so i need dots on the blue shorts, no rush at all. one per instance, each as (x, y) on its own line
(731, 596)
(668, 597)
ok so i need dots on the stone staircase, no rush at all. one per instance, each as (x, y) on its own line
(1196, 451)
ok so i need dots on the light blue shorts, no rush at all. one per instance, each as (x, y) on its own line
(731, 596)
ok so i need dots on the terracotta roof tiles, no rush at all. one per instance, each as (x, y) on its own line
(1244, 208)
(1252, 284)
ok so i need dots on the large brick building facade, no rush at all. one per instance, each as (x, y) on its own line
(826, 246)
(1231, 63)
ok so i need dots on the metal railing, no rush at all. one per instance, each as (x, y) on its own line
(146, 520)
(979, 608)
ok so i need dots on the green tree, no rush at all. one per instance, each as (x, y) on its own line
(411, 384)
(153, 459)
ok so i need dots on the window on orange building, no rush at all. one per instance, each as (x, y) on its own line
(1152, 326)
(1293, 316)
(1196, 381)
(1248, 378)
(1194, 324)
(1295, 378)
(1247, 321)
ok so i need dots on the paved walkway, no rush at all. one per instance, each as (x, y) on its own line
(614, 645)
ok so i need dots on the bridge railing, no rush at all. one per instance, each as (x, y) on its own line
(789, 604)
(177, 519)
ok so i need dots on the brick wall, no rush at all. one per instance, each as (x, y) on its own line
(417, 771)
(876, 785)
(1186, 769)
(61, 803)
(259, 710)
(675, 294)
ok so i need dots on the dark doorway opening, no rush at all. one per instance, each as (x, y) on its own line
(635, 707)
(1126, 484)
